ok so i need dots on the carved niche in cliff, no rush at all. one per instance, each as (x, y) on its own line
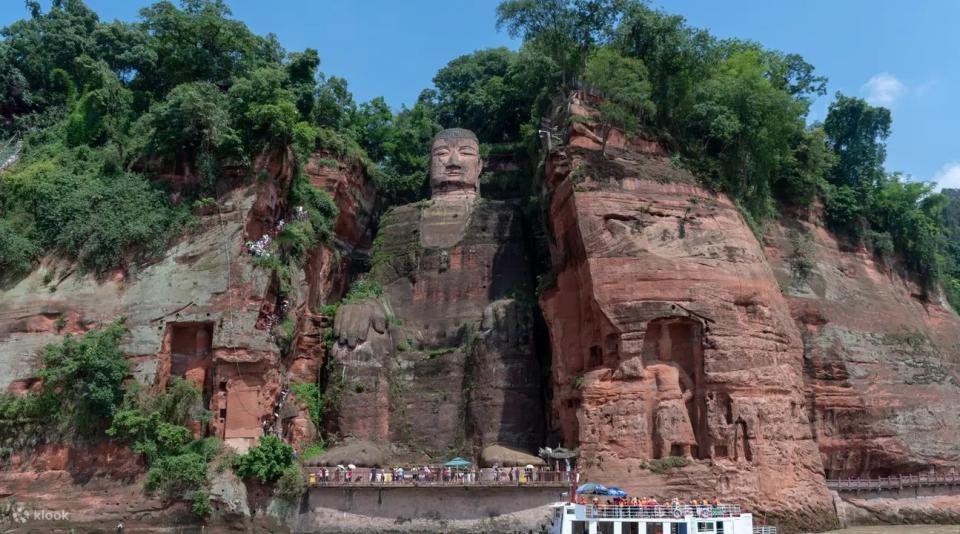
(689, 417)
(673, 357)
(235, 392)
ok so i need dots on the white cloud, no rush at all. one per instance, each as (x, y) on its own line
(883, 89)
(948, 176)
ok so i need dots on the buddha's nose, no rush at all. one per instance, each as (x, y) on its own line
(454, 158)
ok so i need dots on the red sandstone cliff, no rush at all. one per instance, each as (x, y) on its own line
(673, 333)
(204, 312)
(882, 368)
(670, 337)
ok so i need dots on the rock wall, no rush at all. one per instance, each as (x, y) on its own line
(203, 312)
(882, 366)
(671, 338)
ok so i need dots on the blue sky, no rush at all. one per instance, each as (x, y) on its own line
(905, 57)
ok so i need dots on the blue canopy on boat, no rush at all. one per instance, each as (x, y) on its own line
(614, 491)
(592, 489)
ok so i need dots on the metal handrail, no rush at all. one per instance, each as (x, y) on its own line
(898, 482)
(614, 511)
(10, 152)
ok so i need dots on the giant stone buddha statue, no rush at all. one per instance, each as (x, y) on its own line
(445, 359)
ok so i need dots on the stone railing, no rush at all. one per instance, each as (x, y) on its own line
(372, 477)
(893, 483)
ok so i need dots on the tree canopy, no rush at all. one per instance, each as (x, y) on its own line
(101, 105)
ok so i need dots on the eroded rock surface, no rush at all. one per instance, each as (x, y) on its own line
(671, 338)
(882, 366)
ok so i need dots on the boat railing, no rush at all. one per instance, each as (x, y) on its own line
(764, 529)
(615, 511)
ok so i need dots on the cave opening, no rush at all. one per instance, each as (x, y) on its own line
(190, 345)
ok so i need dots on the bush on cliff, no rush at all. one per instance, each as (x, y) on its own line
(86, 374)
(291, 484)
(266, 462)
(152, 424)
(310, 394)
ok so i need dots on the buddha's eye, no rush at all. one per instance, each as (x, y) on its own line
(441, 152)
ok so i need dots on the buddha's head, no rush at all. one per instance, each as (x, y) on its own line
(455, 164)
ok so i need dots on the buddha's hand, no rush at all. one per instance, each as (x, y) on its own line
(353, 321)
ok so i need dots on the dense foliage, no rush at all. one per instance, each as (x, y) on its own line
(266, 462)
(82, 384)
(84, 396)
(99, 105)
(736, 113)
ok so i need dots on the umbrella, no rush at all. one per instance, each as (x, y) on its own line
(614, 491)
(529, 466)
(351, 466)
(592, 489)
(457, 462)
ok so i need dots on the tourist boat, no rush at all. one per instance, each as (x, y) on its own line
(571, 518)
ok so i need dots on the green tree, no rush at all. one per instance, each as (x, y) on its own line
(199, 43)
(263, 109)
(566, 30)
(334, 107)
(913, 215)
(48, 41)
(302, 73)
(810, 160)
(193, 125)
(406, 159)
(678, 57)
(373, 124)
(265, 462)
(622, 83)
(476, 92)
(87, 374)
(747, 127)
(857, 132)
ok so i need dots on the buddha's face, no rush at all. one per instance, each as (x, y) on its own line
(455, 166)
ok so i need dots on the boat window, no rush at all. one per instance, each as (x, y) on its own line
(678, 528)
(705, 527)
(719, 527)
(579, 527)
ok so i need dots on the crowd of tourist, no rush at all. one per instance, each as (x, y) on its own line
(426, 474)
(651, 507)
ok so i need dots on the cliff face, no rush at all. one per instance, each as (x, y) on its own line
(204, 312)
(882, 367)
(672, 332)
(670, 337)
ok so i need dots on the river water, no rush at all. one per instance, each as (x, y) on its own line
(901, 529)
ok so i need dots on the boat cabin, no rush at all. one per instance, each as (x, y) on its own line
(570, 518)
